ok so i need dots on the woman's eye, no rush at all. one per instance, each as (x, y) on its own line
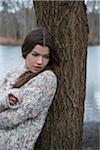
(34, 54)
(47, 57)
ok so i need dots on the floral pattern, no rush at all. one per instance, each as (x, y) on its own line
(20, 125)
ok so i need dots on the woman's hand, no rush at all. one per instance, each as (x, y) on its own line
(12, 99)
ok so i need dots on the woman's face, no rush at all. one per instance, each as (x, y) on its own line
(38, 58)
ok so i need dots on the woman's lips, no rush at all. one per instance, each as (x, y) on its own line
(38, 68)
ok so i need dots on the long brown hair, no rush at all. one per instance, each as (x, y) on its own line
(42, 37)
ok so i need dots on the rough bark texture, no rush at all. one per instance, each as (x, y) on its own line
(68, 23)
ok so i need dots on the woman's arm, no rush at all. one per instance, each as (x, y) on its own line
(4, 86)
(5, 99)
(36, 97)
(5, 89)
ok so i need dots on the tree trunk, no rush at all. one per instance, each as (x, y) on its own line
(67, 21)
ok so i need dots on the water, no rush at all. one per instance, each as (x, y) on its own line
(92, 103)
(10, 56)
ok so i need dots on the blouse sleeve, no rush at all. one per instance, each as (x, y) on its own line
(36, 97)
(5, 89)
(4, 92)
(4, 81)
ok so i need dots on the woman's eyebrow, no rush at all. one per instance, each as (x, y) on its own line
(41, 54)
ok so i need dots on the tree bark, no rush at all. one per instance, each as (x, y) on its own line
(67, 21)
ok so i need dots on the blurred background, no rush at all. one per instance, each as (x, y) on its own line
(17, 18)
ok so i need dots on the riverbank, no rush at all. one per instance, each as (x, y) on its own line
(7, 41)
(93, 41)
(91, 137)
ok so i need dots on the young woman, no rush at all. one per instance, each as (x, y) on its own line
(27, 93)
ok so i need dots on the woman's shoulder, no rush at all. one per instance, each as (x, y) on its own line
(18, 69)
(15, 72)
(48, 75)
(47, 78)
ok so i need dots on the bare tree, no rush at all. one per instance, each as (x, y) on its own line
(67, 21)
(16, 18)
(93, 13)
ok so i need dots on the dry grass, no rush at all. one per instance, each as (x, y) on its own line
(7, 41)
(93, 41)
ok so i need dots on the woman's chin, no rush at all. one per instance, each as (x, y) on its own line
(36, 70)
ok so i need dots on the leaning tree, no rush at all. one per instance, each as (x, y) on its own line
(67, 21)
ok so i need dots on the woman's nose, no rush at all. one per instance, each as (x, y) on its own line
(40, 60)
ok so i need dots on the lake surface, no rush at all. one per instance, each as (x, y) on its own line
(10, 56)
(92, 103)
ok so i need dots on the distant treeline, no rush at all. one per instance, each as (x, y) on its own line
(15, 26)
(94, 28)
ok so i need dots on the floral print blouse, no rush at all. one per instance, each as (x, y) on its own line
(21, 124)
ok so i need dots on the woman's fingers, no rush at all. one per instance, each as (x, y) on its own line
(12, 102)
(12, 99)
